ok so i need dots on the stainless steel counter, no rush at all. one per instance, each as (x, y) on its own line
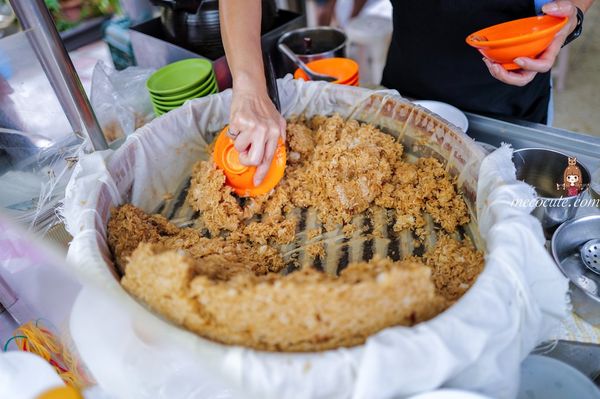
(582, 356)
(525, 134)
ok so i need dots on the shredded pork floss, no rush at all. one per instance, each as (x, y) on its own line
(230, 280)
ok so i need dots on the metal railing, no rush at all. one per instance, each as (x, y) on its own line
(46, 42)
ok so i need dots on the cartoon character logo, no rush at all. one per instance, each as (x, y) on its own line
(572, 180)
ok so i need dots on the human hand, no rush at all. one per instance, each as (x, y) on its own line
(255, 127)
(529, 66)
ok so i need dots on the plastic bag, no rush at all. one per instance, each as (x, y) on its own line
(477, 344)
(120, 99)
(37, 290)
(33, 184)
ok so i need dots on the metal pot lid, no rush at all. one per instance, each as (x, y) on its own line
(590, 254)
(567, 243)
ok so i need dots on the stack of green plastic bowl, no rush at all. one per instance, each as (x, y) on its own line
(180, 81)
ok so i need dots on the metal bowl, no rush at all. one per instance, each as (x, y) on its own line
(595, 194)
(323, 42)
(595, 187)
(585, 284)
(543, 169)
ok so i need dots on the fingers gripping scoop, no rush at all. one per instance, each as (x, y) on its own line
(240, 177)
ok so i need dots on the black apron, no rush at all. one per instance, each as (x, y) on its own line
(429, 58)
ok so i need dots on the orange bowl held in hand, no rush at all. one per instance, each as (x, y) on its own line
(526, 37)
(240, 177)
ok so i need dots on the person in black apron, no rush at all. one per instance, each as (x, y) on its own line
(428, 58)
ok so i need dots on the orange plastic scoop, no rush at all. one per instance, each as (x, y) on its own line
(240, 177)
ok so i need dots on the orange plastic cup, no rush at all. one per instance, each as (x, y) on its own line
(240, 177)
(526, 37)
(349, 80)
(344, 69)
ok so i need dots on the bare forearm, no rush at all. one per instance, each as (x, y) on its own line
(240, 29)
(254, 124)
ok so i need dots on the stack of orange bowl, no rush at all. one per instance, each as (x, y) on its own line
(344, 69)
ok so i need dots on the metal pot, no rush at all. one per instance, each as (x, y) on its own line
(543, 169)
(311, 44)
(584, 283)
(194, 24)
